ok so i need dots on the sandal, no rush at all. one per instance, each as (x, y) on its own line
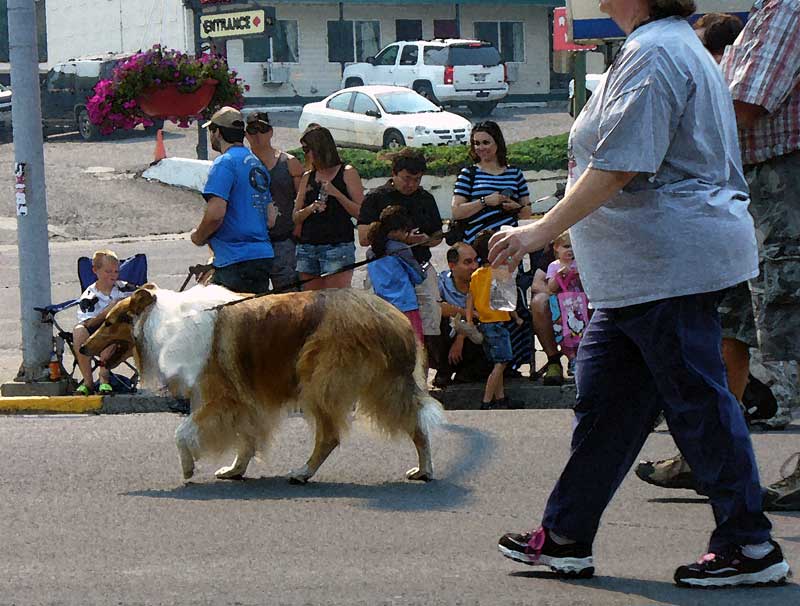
(105, 388)
(82, 390)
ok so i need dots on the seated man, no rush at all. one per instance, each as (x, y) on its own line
(95, 302)
(452, 352)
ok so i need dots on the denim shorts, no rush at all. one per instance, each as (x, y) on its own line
(496, 342)
(319, 259)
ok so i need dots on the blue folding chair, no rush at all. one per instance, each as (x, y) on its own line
(132, 270)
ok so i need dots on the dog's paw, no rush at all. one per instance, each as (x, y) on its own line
(299, 476)
(188, 473)
(229, 473)
(418, 475)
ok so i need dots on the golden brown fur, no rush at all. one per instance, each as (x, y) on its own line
(324, 350)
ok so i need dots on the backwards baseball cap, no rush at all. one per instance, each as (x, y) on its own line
(227, 117)
(260, 118)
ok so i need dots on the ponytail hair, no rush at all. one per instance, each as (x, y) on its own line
(392, 218)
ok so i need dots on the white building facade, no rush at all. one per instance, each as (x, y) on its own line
(312, 40)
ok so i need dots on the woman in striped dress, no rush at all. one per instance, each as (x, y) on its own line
(490, 193)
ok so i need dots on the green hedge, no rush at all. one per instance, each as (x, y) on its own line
(544, 153)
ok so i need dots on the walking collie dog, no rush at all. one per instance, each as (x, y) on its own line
(244, 365)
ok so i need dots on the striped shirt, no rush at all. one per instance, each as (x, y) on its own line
(474, 182)
(763, 68)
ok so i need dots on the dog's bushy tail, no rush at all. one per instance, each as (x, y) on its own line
(430, 414)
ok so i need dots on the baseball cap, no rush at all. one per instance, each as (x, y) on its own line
(227, 117)
(261, 118)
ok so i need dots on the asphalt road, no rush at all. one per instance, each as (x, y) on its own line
(93, 511)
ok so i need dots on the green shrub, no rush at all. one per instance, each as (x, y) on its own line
(544, 153)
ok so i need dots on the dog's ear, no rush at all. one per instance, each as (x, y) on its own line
(141, 300)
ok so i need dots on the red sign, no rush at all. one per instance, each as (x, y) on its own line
(562, 40)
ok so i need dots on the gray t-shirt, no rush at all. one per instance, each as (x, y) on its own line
(681, 226)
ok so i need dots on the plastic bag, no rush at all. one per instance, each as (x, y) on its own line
(503, 293)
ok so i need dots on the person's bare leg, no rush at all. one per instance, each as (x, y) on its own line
(491, 383)
(79, 337)
(543, 323)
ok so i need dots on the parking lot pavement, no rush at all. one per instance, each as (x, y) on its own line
(93, 192)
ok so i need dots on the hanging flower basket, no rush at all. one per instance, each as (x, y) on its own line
(169, 101)
(164, 84)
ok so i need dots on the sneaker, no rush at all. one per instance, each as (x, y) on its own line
(668, 473)
(508, 403)
(488, 405)
(734, 568)
(538, 549)
(554, 374)
(441, 380)
(105, 389)
(784, 495)
(82, 390)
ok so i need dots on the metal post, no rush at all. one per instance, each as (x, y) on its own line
(202, 141)
(579, 73)
(31, 196)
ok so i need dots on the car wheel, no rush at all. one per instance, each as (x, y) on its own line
(87, 130)
(350, 82)
(480, 109)
(426, 90)
(393, 139)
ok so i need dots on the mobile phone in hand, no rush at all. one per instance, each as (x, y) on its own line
(507, 192)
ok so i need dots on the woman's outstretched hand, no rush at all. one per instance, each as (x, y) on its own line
(511, 245)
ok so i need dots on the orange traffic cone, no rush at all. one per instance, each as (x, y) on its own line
(160, 152)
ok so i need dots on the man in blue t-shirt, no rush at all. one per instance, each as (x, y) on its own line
(238, 209)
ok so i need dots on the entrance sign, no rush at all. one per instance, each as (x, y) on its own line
(219, 25)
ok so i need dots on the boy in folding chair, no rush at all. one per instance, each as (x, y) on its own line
(95, 302)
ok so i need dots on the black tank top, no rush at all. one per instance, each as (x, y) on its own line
(282, 188)
(334, 225)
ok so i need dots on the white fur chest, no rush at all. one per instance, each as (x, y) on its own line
(174, 337)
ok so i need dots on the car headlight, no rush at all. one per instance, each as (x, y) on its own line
(422, 130)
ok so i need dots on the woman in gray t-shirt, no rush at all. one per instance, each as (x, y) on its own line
(657, 207)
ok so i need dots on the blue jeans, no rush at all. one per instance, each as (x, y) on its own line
(319, 259)
(496, 342)
(632, 363)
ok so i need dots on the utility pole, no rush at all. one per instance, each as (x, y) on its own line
(31, 196)
(194, 5)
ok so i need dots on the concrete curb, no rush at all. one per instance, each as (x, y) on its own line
(455, 397)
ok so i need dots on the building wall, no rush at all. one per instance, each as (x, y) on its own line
(314, 76)
(130, 26)
(114, 26)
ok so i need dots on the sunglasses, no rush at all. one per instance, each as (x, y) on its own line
(254, 128)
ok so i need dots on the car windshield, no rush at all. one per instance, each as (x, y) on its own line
(405, 102)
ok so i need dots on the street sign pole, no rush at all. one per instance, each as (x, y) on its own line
(579, 75)
(30, 192)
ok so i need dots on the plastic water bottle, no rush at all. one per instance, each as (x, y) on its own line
(54, 367)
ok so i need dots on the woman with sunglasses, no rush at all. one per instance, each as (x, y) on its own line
(490, 193)
(328, 198)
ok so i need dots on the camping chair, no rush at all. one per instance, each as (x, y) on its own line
(132, 270)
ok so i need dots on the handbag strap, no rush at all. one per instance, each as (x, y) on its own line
(564, 281)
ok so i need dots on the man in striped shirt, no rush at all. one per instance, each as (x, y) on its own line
(763, 71)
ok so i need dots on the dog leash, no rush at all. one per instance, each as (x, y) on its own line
(198, 270)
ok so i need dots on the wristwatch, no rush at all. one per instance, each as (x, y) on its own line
(483, 200)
